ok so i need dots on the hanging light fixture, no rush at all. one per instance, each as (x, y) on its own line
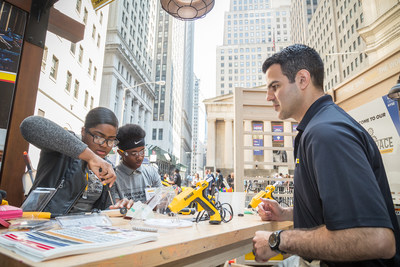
(187, 9)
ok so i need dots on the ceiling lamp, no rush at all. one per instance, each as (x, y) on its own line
(187, 9)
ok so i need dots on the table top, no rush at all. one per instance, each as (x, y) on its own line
(202, 242)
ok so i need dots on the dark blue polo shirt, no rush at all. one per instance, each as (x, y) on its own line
(339, 177)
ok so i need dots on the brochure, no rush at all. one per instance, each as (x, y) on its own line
(44, 245)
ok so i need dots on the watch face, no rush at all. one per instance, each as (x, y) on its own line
(273, 240)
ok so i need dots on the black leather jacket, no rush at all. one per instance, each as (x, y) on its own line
(67, 175)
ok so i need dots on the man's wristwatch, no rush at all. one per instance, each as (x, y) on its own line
(274, 241)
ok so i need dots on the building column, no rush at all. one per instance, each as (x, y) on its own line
(142, 114)
(288, 141)
(136, 114)
(127, 109)
(121, 104)
(211, 142)
(147, 125)
(268, 154)
(248, 141)
(228, 143)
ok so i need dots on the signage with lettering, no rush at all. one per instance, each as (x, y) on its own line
(97, 4)
(380, 118)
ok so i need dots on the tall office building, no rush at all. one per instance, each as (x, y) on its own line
(332, 32)
(70, 79)
(128, 83)
(195, 127)
(253, 30)
(172, 112)
(301, 12)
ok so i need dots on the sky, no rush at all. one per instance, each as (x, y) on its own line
(208, 34)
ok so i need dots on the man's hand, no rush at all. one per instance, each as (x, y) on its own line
(122, 203)
(261, 248)
(270, 210)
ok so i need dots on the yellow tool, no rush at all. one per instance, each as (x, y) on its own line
(187, 211)
(37, 215)
(262, 194)
(199, 195)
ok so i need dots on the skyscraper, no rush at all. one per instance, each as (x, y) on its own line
(128, 83)
(172, 113)
(253, 30)
(301, 12)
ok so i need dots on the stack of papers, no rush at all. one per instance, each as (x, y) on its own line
(44, 245)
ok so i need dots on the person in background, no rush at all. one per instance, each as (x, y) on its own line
(189, 180)
(176, 180)
(220, 180)
(196, 179)
(343, 211)
(76, 168)
(133, 177)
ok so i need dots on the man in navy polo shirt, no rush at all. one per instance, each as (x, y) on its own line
(343, 212)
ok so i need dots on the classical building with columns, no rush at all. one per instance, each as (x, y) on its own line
(265, 145)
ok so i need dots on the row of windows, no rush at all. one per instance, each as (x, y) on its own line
(247, 84)
(257, 21)
(78, 7)
(68, 81)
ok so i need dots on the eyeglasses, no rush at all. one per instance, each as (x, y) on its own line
(134, 153)
(101, 140)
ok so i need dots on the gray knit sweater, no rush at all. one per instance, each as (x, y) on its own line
(48, 135)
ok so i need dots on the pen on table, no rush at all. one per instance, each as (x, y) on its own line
(28, 165)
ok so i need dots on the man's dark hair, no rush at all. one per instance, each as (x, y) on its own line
(297, 57)
(177, 170)
(100, 115)
(130, 132)
(218, 170)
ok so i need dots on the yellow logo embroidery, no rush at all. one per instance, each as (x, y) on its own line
(297, 161)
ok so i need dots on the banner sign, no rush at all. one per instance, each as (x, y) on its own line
(294, 127)
(97, 4)
(258, 142)
(277, 129)
(257, 127)
(380, 118)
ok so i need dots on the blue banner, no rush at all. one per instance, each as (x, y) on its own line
(393, 109)
(277, 129)
(258, 142)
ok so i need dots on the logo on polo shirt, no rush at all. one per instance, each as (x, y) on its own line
(297, 161)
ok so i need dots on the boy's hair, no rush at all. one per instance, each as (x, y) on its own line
(130, 134)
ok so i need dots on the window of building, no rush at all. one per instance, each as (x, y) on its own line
(91, 102)
(94, 32)
(85, 16)
(98, 40)
(68, 82)
(80, 53)
(94, 74)
(78, 5)
(154, 136)
(72, 48)
(90, 67)
(160, 134)
(76, 89)
(44, 58)
(54, 67)
(86, 98)
(40, 113)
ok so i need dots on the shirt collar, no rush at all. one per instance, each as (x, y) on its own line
(128, 170)
(313, 109)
